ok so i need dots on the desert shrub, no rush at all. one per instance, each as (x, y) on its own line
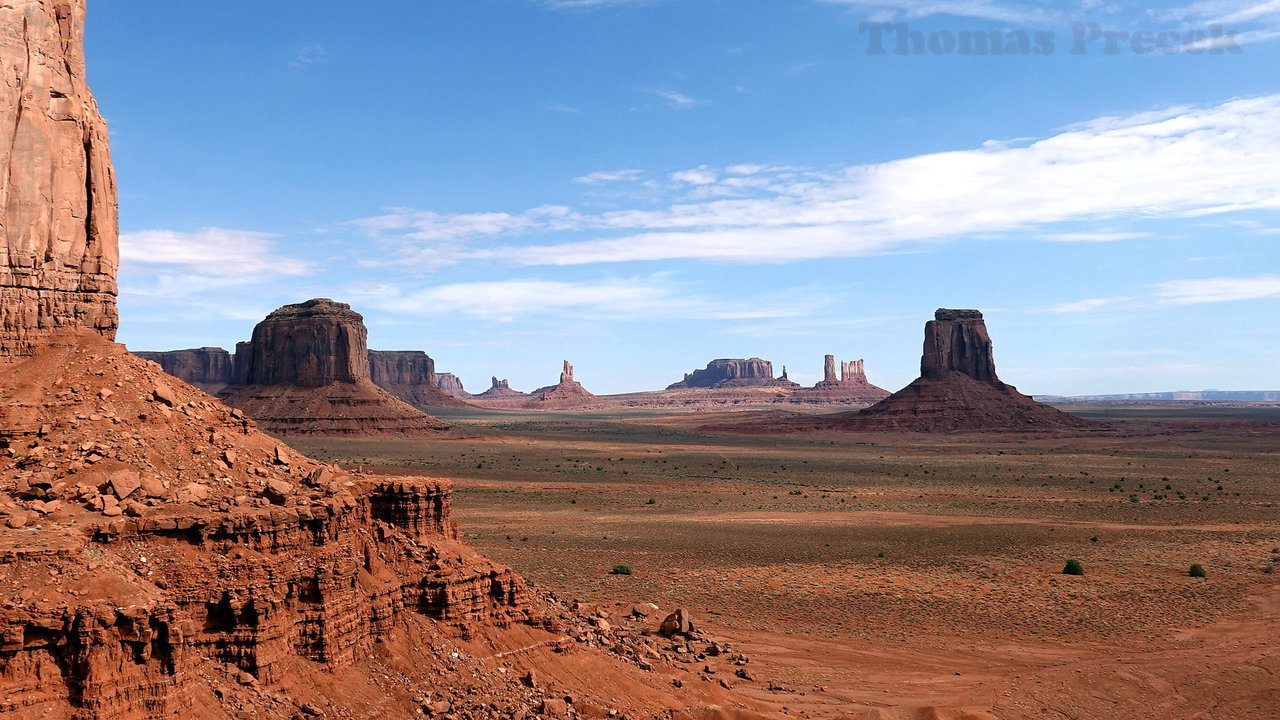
(1073, 567)
(621, 570)
(1196, 570)
(652, 502)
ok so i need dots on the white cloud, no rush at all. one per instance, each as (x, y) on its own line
(1179, 162)
(677, 100)
(645, 297)
(605, 176)
(211, 252)
(697, 176)
(1216, 290)
(306, 56)
(1088, 305)
(1094, 237)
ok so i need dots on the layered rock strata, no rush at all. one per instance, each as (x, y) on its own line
(308, 373)
(958, 390)
(149, 531)
(411, 376)
(500, 389)
(58, 231)
(213, 370)
(452, 385)
(849, 387)
(731, 373)
(567, 394)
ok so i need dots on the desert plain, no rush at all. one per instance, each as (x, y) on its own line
(902, 575)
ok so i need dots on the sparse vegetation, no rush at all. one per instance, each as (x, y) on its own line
(1073, 567)
(621, 570)
(1197, 571)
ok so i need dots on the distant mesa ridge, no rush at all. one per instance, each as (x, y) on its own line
(309, 374)
(730, 372)
(958, 388)
(409, 375)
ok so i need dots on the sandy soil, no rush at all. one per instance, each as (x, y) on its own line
(898, 576)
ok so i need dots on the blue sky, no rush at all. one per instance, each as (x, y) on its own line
(642, 186)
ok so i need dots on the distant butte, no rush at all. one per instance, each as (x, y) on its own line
(849, 387)
(567, 394)
(732, 373)
(308, 374)
(958, 389)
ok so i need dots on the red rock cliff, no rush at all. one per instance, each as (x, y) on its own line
(210, 369)
(308, 374)
(58, 225)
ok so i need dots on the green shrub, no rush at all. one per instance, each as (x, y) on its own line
(1196, 570)
(621, 570)
(1073, 567)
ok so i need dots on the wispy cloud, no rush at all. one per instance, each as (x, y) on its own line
(1216, 290)
(677, 100)
(606, 176)
(644, 297)
(1088, 305)
(1176, 162)
(306, 56)
(211, 252)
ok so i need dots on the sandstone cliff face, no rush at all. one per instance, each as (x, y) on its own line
(957, 389)
(957, 341)
(162, 537)
(452, 385)
(850, 387)
(58, 224)
(311, 344)
(308, 373)
(210, 369)
(501, 389)
(752, 372)
(411, 376)
(401, 367)
(567, 394)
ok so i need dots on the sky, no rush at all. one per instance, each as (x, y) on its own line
(642, 186)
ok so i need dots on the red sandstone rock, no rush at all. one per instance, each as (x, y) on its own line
(567, 394)
(58, 234)
(308, 373)
(452, 385)
(411, 376)
(726, 373)
(210, 369)
(851, 387)
(958, 390)
(499, 390)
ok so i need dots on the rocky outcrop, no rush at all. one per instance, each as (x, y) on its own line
(150, 536)
(411, 376)
(956, 341)
(957, 390)
(213, 370)
(849, 387)
(729, 373)
(308, 373)
(58, 225)
(452, 385)
(567, 394)
(501, 389)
